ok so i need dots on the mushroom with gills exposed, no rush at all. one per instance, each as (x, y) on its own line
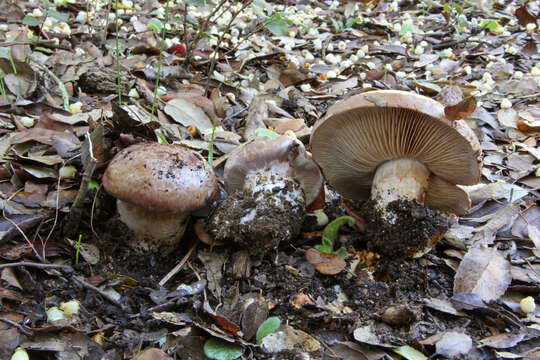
(270, 182)
(157, 187)
(398, 151)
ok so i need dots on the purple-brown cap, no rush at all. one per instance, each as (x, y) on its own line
(161, 177)
(282, 155)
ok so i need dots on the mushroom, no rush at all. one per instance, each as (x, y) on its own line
(398, 148)
(270, 182)
(157, 186)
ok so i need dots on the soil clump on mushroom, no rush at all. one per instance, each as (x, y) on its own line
(412, 229)
(260, 221)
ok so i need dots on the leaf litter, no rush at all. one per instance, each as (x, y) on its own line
(230, 72)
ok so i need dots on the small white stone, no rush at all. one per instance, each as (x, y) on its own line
(305, 87)
(487, 77)
(54, 314)
(342, 46)
(134, 93)
(527, 305)
(505, 104)
(76, 108)
(27, 121)
(371, 65)
(331, 74)
(70, 307)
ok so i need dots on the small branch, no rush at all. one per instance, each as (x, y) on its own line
(100, 292)
(65, 268)
(14, 324)
(177, 268)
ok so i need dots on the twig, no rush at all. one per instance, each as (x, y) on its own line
(61, 85)
(14, 324)
(190, 45)
(220, 39)
(177, 268)
(19, 229)
(100, 292)
(65, 268)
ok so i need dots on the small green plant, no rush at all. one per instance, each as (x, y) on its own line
(2, 85)
(330, 234)
(218, 349)
(211, 145)
(78, 249)
(267, 327)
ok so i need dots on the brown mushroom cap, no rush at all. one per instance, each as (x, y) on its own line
(363, 131)
(282, 155)
(160, 177)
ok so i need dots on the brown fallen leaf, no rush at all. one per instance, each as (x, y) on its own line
(524, 17)
(484, 272)
(327, 264)
(461, 110)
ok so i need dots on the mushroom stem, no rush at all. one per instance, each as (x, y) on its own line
(399, 179)
(152, 229)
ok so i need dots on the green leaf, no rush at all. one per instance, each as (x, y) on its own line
(266, 133)
(93, 185)
(267, 327)
(58, 15)
(222, 350)
(341, 252)
(330, 233)
(410, 353)
(31, 21)
(156, 25)
(351, 21)
(324, 248)
(160, 136)
(406, 27)
(447, 8)
(278, 27)
(197, 2)
(338, 25)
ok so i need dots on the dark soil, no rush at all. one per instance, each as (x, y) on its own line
(260, 221)
(415, 229)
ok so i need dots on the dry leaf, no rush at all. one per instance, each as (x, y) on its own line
(484, 272)
(461, 110)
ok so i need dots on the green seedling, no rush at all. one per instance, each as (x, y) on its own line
(267, 327)
(211, 145)
(2, 85)
(330, 234)
(78, 249)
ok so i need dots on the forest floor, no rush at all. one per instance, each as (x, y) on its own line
(226, 68)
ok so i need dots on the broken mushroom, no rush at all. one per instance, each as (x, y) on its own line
(400, 151)
(157, 186)
(270, 182)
